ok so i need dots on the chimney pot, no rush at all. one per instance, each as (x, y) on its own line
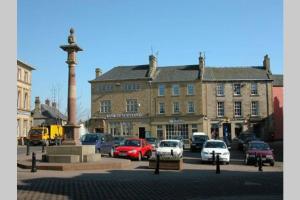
(98, 72)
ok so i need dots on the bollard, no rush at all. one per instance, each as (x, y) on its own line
(157, 164)
(213, 157)
(218, 165)
(33, 166)
(260, 163)
(27, 149)
(172, 152)
(43, 148)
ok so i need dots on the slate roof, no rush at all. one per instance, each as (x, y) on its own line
(278, 80)
(125, 73)
(185, 73)
(49, 112)
(177, 73)
(234, 73)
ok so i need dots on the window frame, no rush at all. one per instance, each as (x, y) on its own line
(256, 103)
(132, 106)
(161, 107)
(220, 109)
(176, 107)
(254, 91)
(161, 87)
(235, 89)
(188, 106)
(190, 89)
(237, 109)
(220, 87)
(175, 87)
(105, 106)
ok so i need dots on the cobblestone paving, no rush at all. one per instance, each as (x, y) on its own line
(196, 181)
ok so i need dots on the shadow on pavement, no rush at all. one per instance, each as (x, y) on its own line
(144, 184)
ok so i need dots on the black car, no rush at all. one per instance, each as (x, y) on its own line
(198, 141)
(244, 139)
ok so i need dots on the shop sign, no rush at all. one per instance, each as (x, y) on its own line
(124, 115)
(176, 121)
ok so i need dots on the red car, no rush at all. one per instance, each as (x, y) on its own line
(257, 148)
(134, 148)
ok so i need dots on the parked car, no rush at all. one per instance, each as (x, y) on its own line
(257, 148)
(166, 146)
(244, 138)
(134, 148)
(198, 139)
(153, 141)
(219, 147)
(90, 138)
(104, 143)
(119, 140)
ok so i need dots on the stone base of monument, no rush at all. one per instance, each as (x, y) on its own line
(71, 154)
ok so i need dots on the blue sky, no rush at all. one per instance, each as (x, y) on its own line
(122, 32)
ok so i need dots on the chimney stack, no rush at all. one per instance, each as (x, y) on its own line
(201, 64)
(266, 63)
(37, 103)
(98, 72)
(47, 102)
(152, 65)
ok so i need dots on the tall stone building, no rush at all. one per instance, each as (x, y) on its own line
(164, 102)
(147, 100)
(238, 99)
(24, 120)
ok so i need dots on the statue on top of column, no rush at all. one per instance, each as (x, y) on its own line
(71, 38)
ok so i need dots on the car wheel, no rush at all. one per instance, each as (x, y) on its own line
(227, 163)
(149, 154)
(272, 163)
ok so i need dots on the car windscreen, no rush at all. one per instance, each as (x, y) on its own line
(259, 146)
(151, 140)
(200, 138)
(168, 144)
(90, 138)
(133, 143)
(215, 145)
(36, 131)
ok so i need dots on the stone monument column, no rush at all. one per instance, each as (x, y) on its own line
(71, 129)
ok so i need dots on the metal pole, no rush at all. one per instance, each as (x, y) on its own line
(27, 149)
(157, 164)
(218, 165)
(172, 152)
(33, 166)
(213, 157)
(260, 164)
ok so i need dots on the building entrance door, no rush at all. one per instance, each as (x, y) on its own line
(227, 132)
(142, 132)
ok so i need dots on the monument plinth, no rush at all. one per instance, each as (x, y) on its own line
(71, 130)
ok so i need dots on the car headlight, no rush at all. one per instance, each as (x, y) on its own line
(225, 153)
(269, 156)
(204, 152)
(132, 151)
